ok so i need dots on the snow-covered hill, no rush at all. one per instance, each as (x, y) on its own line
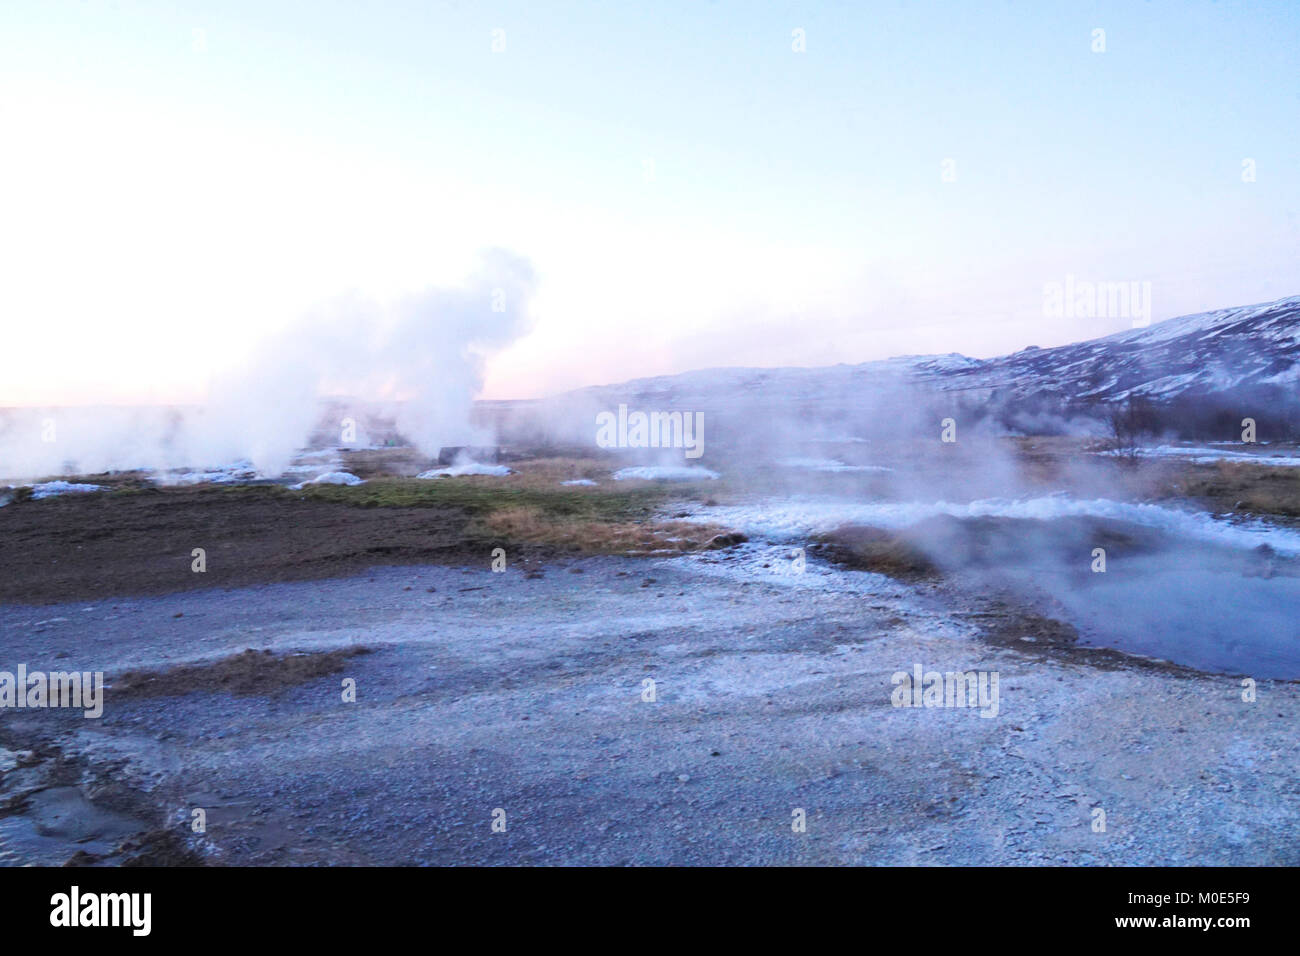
(1204, 354)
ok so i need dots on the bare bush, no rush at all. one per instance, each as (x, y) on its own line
(1130, 424)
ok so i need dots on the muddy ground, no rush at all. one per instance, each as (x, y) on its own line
(94, 546)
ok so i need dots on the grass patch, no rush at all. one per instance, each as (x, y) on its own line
(484, 495)
(534, 526)
(872, 549)
(252, 673)
(1240, 486)
(535, 487)
(532, 507)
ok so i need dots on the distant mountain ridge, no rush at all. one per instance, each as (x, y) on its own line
(1203, 369)
(1207, 352)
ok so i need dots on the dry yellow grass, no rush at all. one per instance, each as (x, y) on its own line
(551, 471)
(1241, 486)
(531, 524)
(873, 549)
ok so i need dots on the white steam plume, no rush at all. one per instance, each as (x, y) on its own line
(425, 354)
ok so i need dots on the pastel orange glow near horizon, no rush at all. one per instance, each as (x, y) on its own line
(179, 183)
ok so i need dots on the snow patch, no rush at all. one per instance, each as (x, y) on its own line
(50, 489)
(331, 478)
(778, 565)
(1206, 456)
(465, 468)
(234, 472)
(665, 473)
(827, 464)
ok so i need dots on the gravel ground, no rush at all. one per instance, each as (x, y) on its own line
(524, 693)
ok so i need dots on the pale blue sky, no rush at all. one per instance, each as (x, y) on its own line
(182, 177)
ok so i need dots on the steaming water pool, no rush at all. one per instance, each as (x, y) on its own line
(1182, 586)
(796, 518)
(1202, 617)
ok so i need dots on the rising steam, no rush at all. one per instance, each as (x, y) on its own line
(424, 355)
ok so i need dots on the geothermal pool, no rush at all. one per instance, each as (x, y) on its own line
(1179, 585)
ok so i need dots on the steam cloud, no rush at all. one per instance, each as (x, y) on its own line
(424, 354)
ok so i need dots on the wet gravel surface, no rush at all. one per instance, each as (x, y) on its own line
(522, 697)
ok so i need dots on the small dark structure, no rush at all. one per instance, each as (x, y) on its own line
(485, 455)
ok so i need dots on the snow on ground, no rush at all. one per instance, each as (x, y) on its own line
(50, 489)
(1205, 456)
(838, 440)
(828, 464)
(236, 471)
(665, 473)
(792, 519)
(243, 470)
(578, 481)
(785, 566)
(466, 468)
(332, 478)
